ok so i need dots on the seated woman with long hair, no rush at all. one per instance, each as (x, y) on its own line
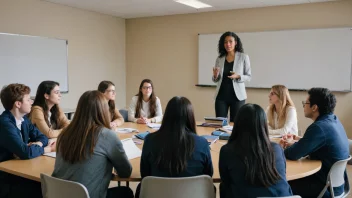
(281, 113)
(250, 165)
(175, 150)
(145, 107)
(108, 89)
(46, 114)
(88, 149)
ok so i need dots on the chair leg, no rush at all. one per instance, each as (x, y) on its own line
(323, 191)
(332, 195)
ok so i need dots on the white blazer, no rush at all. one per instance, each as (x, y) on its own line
(242, 67)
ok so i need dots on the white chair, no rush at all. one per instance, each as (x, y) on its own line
(57, 188)
(293, 196)
(336, 178)
(160, 187)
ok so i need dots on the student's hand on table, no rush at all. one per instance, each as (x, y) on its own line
(52, 141)
(113, 125)
(141, 120)
(50, 148)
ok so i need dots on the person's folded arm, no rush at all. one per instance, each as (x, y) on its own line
(119, 118)
(11, 140)
(313, 139)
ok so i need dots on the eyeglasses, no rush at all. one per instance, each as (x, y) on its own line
(304, 103)
(273, 93)
(112, 91)
(149, 87)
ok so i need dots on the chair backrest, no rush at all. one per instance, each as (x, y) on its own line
(160, 187)
(57, 188)
(293, 196)
(337, 171)
(124, 114)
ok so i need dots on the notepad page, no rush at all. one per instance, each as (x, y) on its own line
(132, 151)
(51, 154)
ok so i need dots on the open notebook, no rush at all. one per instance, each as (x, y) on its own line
(132, 151)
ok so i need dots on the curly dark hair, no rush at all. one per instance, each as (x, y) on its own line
(221, 48)
(323, 98)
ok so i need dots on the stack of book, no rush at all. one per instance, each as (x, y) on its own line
(214, 122)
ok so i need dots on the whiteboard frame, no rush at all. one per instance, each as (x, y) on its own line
(24, 35)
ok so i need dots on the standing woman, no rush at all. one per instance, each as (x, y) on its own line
(108, 89)
(46, 114)
(145, 107)
(232, 69)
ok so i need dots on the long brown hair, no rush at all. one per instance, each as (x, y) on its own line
(103, 86)
(77, 141)
(46, 87)
(152, 100)
(285, 102)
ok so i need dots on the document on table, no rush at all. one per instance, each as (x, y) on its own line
(132, 151)
(51, 154)
(126, 130)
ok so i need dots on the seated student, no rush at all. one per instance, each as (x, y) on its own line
(86, 153)
(108, 89)
(325, 139)
(175, 150)
(19, 138)
(46, 114)
(145, 107)
(250, 165)
(281, 113)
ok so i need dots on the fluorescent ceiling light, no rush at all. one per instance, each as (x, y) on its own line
(193, 3)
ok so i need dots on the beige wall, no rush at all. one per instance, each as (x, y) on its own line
(165, 49)
(96, 48)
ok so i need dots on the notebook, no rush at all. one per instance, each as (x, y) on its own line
(142, 135)
(211, 138)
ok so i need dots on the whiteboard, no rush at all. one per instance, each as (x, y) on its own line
(30, 60)
(298, 59)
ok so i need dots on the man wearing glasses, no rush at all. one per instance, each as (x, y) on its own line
(325, 140)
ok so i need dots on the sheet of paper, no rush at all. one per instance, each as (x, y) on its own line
(132, 151)
(228, 127)
(51, 154)
(275, 136)
(126, 130)
(154, 125)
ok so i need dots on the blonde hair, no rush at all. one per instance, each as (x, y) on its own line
(285, 102)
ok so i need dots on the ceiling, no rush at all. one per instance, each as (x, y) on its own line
(147, 8)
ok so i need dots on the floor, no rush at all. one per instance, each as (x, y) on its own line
(133, 185)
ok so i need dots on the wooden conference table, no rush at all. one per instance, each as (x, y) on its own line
(32, 168)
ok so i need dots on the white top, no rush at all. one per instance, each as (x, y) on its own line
(144, 112)
(290, 125)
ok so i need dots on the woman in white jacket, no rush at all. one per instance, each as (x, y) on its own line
(145, 107)
(281, 113)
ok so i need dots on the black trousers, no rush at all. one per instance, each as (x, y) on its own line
(307, 187)
(120, 191)
(12, 186)
(222, 108)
